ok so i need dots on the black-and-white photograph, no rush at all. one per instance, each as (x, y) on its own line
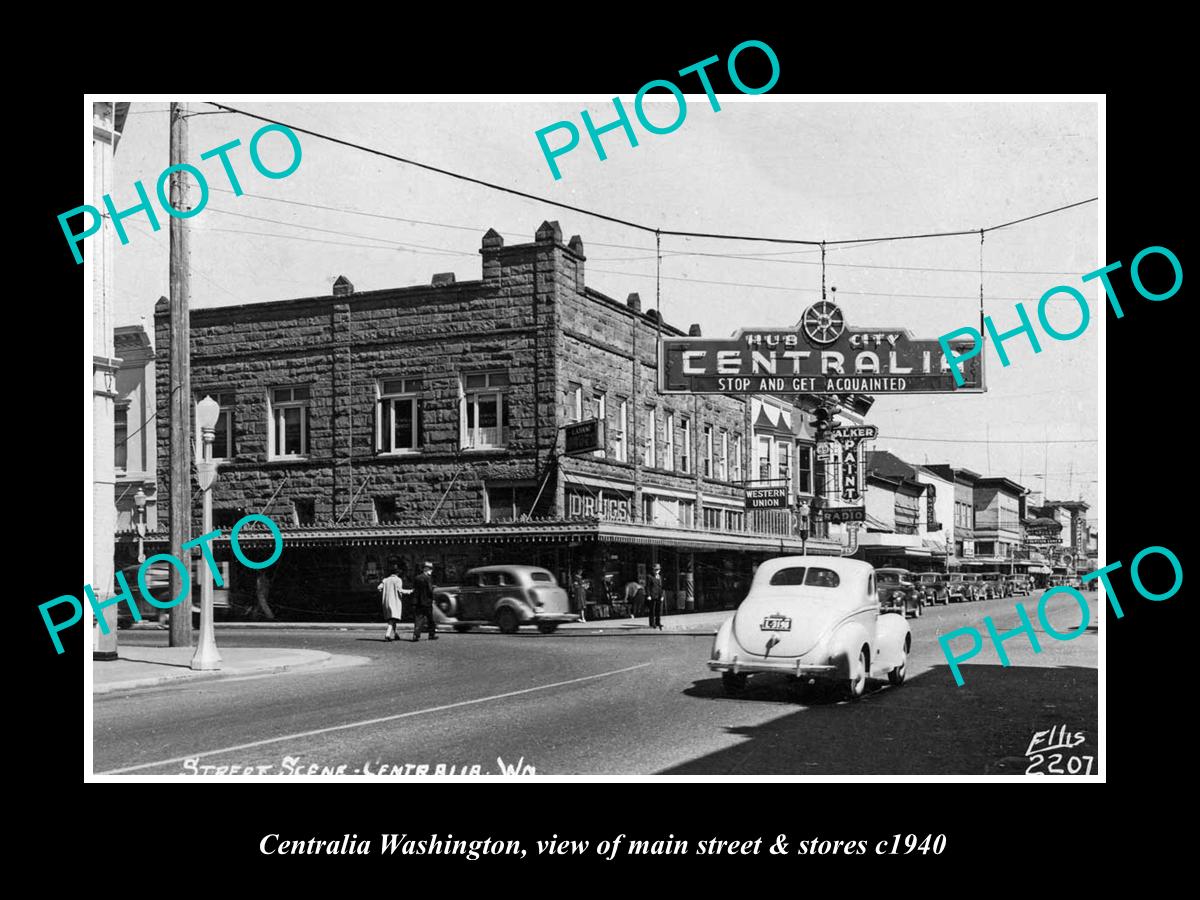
(678, 435)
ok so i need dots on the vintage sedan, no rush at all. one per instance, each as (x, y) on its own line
(935, 587)
(974, 583)
(995, 585)
(898, 592)
(506, 596)
(816, 618)
(960, 591)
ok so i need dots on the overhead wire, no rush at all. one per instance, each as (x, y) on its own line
(626, 222)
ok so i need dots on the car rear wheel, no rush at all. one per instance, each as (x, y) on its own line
(856, 686)
(507, 620)
(898, 674)
(734, 683)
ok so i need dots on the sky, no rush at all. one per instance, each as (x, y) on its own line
(765, 165)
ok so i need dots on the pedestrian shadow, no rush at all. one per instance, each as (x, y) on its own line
(929, 725)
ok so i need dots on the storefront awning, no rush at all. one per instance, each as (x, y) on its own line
(520, 532)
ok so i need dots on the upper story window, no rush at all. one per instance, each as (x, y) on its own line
(287, 422)
(121, 437)
(669, 443)
(723, 461)
(804, 468)
(574, 402)
(224, 441)
(785, 462)
(484, 410)
(651, 459)
(619, 439)
(685, 446)
(737, 457)
(708, 452)
(764, 459)
(398, 423)
(602, 415)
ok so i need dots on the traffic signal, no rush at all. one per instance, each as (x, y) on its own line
(822, 421)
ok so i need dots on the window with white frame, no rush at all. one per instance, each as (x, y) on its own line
(484, 410)
(601, 415)
(764, 459)
(574, 402)
(804, 468)
(669, 443)
(398, 421)
(619, 439)
(685, 446)
(287, 422)
(723, 461)
(735, 520)
(651, 459)
(784, 449)
(224, 444)
(120, 436)
(712, 518)
(737, 457)
(708, 451)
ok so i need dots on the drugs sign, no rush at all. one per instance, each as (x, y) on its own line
(820, 355)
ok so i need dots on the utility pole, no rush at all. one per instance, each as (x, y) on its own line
(180, 399)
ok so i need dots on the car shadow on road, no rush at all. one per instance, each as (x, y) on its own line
(927, 726)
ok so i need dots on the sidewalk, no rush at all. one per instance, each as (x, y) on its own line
(140, 667)
(690, 623)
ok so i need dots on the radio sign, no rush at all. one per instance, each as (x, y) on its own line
(767, 498)
(818, 356)
(836, 515)
(584, 437)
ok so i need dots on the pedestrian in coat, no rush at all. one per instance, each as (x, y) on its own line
(579, 592)
(635, 598)
(654, 594)
(392, 591)
(423, 603)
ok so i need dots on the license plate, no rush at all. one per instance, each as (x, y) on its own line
(776, 623)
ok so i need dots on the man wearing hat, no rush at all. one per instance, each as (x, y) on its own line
(423, 602)
(654, 593)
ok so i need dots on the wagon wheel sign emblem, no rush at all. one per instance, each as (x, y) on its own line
(823, 322)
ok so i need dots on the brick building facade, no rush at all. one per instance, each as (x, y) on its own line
(390, 425)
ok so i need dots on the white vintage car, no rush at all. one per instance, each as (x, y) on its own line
(816, 618)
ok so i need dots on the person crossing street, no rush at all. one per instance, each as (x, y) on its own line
(423, 603)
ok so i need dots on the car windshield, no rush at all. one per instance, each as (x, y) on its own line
(813, 576)
(888, 578)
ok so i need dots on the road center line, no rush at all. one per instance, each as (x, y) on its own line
(348, 725)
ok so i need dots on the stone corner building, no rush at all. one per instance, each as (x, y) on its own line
(382, 427)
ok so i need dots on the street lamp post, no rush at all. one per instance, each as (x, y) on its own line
(139, 502)
(207, 413)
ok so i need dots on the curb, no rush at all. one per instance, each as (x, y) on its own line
(158, 680)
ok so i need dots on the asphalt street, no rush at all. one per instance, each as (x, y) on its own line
(612, 704)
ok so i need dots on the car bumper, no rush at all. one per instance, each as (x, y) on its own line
(756, 664)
